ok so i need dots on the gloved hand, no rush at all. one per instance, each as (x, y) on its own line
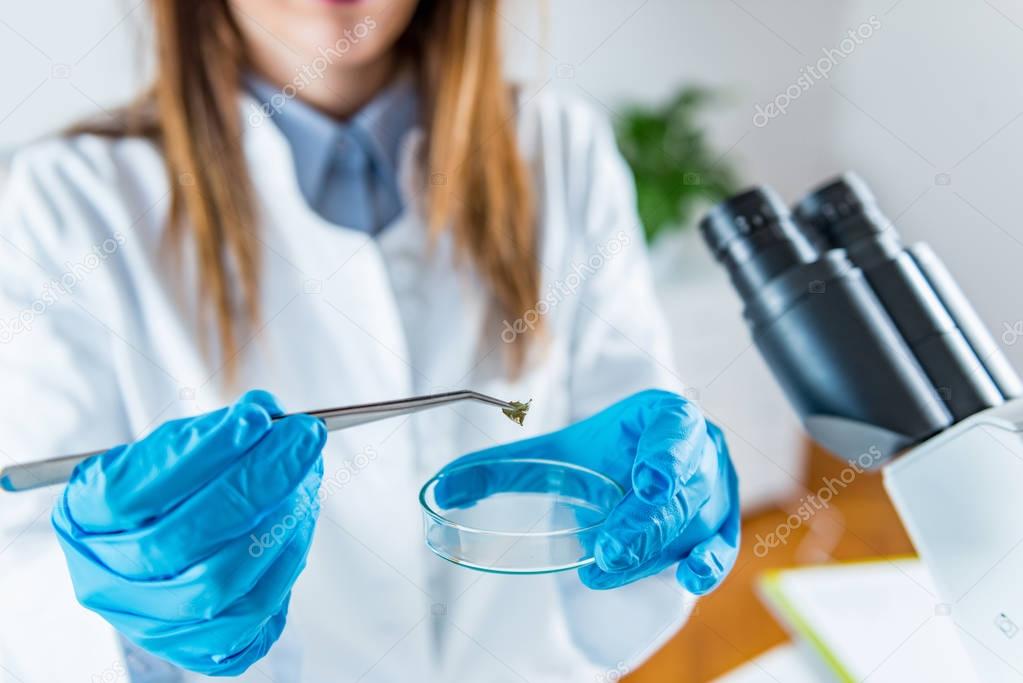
(188, 541)
(681, 505)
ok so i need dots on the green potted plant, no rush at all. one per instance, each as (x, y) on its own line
(678, 172)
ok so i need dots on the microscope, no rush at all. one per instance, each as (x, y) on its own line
(889, 366)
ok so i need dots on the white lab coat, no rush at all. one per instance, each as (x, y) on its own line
(348, 319)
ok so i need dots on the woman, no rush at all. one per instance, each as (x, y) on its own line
(339, 202)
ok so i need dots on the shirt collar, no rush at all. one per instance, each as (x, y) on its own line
(315, 138)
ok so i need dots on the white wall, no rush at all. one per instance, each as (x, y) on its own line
(933, 91)
(62, 60)
(938, 100)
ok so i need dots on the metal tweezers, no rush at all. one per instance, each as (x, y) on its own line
(30, 475)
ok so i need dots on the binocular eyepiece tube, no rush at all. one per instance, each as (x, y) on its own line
(874, 344)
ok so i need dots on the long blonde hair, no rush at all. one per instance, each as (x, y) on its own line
(480, 184)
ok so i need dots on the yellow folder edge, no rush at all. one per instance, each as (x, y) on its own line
(771, 589)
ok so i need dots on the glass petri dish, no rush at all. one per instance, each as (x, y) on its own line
(538, 516)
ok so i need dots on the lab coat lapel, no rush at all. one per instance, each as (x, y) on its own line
(444, 307)
(338, 273)
(441, 301)
(334, 281)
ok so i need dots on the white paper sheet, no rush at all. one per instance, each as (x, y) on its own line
(878, 621)
(783, 664)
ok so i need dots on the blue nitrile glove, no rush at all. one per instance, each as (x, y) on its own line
(682, 502)
(188, 541)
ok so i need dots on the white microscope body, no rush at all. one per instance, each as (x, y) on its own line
(880, 351)
(960, 496)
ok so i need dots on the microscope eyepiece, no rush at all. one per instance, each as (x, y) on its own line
(842, 211)
(753, 235)
(749, 213)
(845, 212)
(819, 325)
(874, 343)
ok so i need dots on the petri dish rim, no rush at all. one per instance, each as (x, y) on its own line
(513, 572)
(441, 519)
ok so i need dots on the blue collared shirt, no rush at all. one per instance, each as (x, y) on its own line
(347, 170)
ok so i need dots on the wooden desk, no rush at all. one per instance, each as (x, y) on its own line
(731, 626)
